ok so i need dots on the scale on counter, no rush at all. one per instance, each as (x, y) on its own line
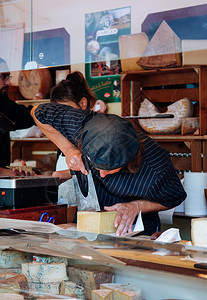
(28, 191)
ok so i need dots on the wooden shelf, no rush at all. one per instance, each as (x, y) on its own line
(136, 86)
(32, 102)
(25, 148)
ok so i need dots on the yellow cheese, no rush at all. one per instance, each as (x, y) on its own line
(123, 291)
(90, 276)
(96, 222)
(101, 294)
(182, 108)
(131, 47)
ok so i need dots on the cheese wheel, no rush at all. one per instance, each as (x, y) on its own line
(33, 83)
(182, 108)
(96, 221)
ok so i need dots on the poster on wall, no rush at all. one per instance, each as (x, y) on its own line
(103, 65)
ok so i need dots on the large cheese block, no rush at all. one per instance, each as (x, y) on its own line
(189, 125)
(131, 47)
(199, 232)
(101, 294)
(13, 283)
(123, 291)
(164, 49)
(96, 222)
(182, 108)
(49, 259)
(51, 288)
(72, 289)
(194, 52)
(11, 258)
(35, 83)
(90, 276)
(37, 272)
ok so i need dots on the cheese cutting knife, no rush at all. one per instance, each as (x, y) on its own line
(85, 190)
(158, 116)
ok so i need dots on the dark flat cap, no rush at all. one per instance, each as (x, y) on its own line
(109, 141)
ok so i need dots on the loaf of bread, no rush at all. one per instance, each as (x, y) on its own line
(182, 108)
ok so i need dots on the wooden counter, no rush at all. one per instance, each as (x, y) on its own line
(160, 277)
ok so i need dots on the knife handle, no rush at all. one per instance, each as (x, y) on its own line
(201, 266)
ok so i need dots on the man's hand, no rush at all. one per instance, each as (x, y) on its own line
(18, 171)
(74, 160)
(126, 214)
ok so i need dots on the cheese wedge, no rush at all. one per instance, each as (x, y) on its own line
(164, 49)
(123, 291)
(96, 222)
(101, 294)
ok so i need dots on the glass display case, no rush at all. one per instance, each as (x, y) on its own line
(44, 258)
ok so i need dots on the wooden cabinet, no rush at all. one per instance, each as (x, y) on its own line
(167, 86)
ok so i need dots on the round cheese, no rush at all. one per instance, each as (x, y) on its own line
(182, 108)
(33, 83)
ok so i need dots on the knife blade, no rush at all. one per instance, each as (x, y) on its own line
(158, 116)
(85, 190)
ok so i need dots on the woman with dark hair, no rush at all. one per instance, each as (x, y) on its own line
(131, 172)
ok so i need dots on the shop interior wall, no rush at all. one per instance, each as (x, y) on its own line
(70, 14)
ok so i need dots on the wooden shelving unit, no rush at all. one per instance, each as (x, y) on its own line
(170, 85)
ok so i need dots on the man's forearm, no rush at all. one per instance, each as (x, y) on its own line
(147, 206)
